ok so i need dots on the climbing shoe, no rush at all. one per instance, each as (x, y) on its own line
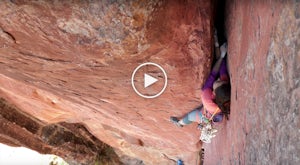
(175, 121)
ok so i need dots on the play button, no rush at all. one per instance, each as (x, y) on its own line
(149, 80)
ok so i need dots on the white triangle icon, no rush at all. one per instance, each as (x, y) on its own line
(149, 80)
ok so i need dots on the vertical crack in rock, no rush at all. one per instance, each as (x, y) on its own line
(263, 49)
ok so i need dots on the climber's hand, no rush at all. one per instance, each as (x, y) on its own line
(216, 38)
(223, 50)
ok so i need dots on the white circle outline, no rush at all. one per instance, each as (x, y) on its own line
(153, 96)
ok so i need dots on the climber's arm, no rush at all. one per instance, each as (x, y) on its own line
(223, 50)
(207, 101)
(213, 75)
(217, 65)
(217, 47)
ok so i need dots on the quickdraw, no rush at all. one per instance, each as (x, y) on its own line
(207, 133)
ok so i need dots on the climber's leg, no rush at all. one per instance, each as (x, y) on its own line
(193, 116)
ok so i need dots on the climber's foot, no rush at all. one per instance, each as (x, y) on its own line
(175, 121)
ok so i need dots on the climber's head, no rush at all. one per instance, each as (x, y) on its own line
(222, 92)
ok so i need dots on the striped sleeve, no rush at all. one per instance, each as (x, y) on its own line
(207, 98)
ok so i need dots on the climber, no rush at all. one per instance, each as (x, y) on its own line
(215, 94)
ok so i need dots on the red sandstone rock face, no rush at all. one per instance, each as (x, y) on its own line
(264, 57)
(72, 62)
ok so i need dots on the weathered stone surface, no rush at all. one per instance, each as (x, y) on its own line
(71, 141)
(71, 61)
(264, 57)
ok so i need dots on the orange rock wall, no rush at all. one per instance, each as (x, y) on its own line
(71, 61)
(264, 57)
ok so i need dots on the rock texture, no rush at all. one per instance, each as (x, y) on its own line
(263, 41)
(71, 141)
(71, 62)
